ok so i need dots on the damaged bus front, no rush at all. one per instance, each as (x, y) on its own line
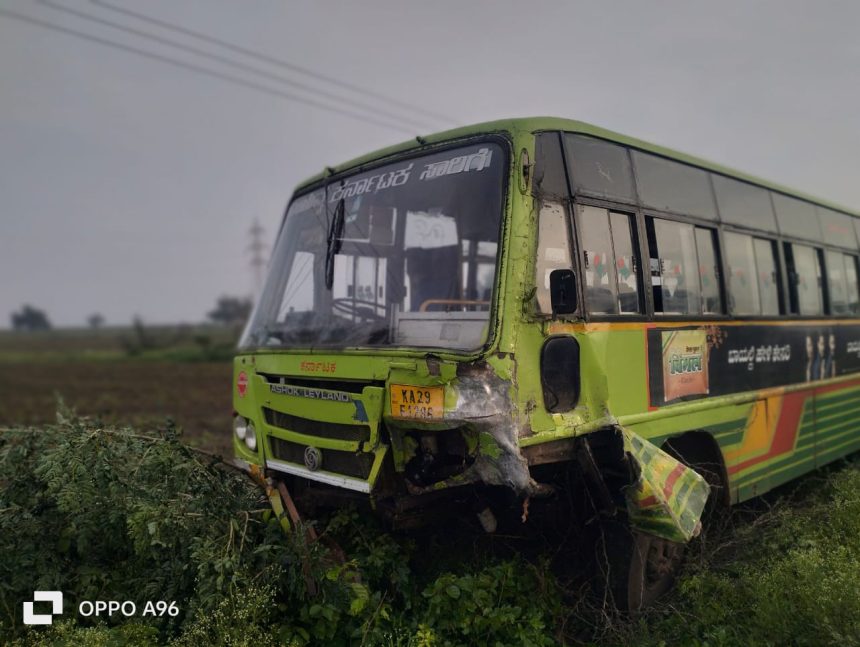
(369, 362)
(402, 353)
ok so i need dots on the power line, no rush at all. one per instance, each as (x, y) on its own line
(271, 59)
(198, 69)
(232, 63)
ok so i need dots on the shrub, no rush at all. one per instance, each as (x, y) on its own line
(110, 514)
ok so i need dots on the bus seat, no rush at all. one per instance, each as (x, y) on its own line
(628, 300)
(433, 274)
(676, 302)
(600, 300)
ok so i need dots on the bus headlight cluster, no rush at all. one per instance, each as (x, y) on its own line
(245, 431)
(240, 426)
(251, 437)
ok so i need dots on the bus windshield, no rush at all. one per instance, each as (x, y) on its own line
(402, 255)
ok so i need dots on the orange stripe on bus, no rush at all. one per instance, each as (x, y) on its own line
(560, 327)
(785, 435)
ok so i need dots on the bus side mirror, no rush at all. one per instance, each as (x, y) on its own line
(562, 291)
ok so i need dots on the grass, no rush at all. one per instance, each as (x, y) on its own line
(781, 570)
(111, 513)
(95, 374)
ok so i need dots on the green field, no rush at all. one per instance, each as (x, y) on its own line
(102, 511)
(178, 372)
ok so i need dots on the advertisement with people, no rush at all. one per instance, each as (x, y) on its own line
(690, 363)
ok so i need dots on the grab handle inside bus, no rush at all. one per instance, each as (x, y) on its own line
(562, 291)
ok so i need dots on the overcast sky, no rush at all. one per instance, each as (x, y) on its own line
(128, 184)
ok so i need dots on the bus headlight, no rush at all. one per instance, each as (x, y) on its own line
(240, 426)
(251, 437)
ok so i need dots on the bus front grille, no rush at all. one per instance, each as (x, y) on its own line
(354, 464)
(307, 427)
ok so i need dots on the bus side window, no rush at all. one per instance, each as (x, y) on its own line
(804, 271)
(553, 251)
(609, 262)
(599, 168)
(626, 265)
(852, 294)
(683, 268)
(753, 284)
(549, 180)
(709, 275)
(841, 282)
(767, 266)
(743, 286)
(836, 288)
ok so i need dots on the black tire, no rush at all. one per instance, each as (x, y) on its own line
(638, 568)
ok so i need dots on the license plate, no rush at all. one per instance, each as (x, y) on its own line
(417, 401)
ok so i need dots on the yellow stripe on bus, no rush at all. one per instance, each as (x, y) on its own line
(562, 327)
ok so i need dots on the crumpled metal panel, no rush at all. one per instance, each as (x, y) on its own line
(667, 499)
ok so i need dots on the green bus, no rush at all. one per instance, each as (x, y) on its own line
(473, 318)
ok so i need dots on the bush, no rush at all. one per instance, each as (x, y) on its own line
(110, 514)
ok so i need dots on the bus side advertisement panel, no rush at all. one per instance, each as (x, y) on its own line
(699, 361)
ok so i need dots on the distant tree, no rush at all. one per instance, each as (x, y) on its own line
(142, 335)
(140, 340)
(30, 319)
(95, 321)
(230, 311)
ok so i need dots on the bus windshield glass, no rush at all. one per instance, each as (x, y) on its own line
(402, 255)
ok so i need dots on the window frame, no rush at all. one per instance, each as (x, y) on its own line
(754, 277)
(568, 209)
(856, 259)
(742, 228)
(818, 241)
(580, 264)
(792, 297)
(640, 213)
(854, 255)
(703, 224)
(708, 179)
(634, 213)
(781, 270)
(570, 172)
(819, 211)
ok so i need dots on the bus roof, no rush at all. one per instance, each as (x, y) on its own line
(540, 124)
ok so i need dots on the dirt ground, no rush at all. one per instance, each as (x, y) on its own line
(142, 393)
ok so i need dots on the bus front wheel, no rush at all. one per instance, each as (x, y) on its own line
(641, 567)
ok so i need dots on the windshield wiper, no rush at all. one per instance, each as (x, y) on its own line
(334, 242)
